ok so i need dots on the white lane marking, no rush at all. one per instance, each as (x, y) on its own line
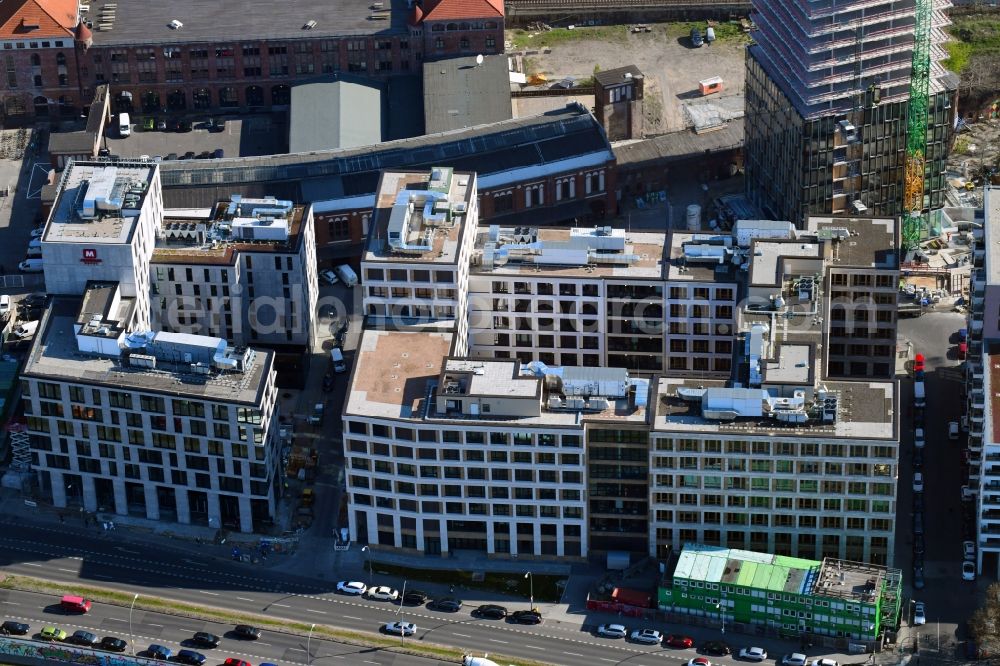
(281, 605)
(115, 619)
(32, 564)
(534, 647)
(615, 661)
(150, 624)
(573, 654)
(259, 643)
(351, 617)
(494, 640)
(461, 635)
(214, 594)
(66, 570)
(370, 662)
(296, 649)
(313, 610)
(125, 550)
(102, 576)
(244, 599)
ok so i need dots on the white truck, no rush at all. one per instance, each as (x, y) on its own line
(919, 395)
(346, 275)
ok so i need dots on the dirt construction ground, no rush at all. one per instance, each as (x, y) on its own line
(664, 55)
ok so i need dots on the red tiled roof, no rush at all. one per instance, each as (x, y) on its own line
(417, 15)
(20, 19)
(444, 10)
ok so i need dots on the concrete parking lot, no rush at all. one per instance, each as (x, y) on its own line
(243, 136)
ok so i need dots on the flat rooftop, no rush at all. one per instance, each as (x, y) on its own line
(768, 257)
(229, 23)
(444, 240)
(866, 410)
(396, 371)
(460, 93)
(122, 188)
(842, 579)
(205, 236)
(647, 249)
(686, 271)
(872, 243)
(759, 571)
(55, 356)
(493, 378)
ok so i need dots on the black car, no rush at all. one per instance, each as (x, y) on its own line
(447, 604)
(82, 637)
(490, 612)
(183, 125)
(35, 300)
(189, 155)
(171, 156)
(216, 125)
(918, 546)
(918, 578)
(218, 154)
(204, 155)
(918, 462)
(103, 152)
(414, 597)
(918, 502)
(716, 648)
(245, 631)
(113, 644)
(526, 617)
(12, 628)
(328, 386)
(190, 657)
(158, 652)
(205, 639)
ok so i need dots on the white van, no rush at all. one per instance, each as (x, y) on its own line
(124, 125)
(26, 330)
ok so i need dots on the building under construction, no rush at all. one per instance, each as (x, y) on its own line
(834, 89)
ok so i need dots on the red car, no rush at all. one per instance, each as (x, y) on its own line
(233, 661)
(963, 349)
(683, 642)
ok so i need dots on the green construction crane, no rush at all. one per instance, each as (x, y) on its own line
(915, 219)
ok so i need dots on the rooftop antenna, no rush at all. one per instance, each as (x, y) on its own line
(479, 60)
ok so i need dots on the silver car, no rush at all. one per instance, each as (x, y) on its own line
(647, 636)
(612, 631)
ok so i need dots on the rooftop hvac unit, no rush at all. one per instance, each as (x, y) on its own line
(142, 361)
(309, 25)
(176, 25)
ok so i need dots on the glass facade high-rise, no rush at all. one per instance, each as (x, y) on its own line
(827, 89)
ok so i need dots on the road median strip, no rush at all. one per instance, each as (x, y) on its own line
(213, 614)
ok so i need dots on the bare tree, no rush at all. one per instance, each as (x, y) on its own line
(985, 621)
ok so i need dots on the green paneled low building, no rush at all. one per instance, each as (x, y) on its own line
(789, 595)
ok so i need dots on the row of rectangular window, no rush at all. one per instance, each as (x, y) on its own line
(470, 437)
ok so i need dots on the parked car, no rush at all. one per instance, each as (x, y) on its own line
(918, 482)
(696, 39)
(400, 628)
(171, 156)
(646, 636)
(918, 524)
(491, 612)
(968, 571)
(183, 125)
(328, 276)
(190, 657)
(383, 593)
(235, 661)
(35, 300)
(52, 634)
(161, 124)
(12, 628)
(716, 648)
(37, 232)
(205, 639)
(159, 652)
(612, 631)
(83, 637)
(415, 598)
(679, 641)
(969, 551)
(918, 578)
(918, 460)
(794, 659)
(148, 124)
(327, 383)
(919, 547)
(4, 305)
(352, 588)
(824, 662)
(953, 430)
(447, 605)
(189, 155)
(968, 494)
(216, 125)
(699, 661)
(113, 644)
(247, 632)
(526, 617)
(919, 614)
(753, 654)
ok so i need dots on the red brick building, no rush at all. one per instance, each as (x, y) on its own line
(178, 57)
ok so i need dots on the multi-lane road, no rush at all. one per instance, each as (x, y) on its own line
(61, 555)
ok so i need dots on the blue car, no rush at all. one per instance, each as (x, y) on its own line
(159, 652)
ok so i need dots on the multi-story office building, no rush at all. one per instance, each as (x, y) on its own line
(416, 267)
(430, 427)
(179, 57)
(983, 385)
(243, 270)
(827, 89)
(813, 600)
(162, 425)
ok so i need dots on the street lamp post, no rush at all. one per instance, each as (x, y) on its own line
(309, 656)
(399, 612)
(131, 636)
(366, 549)
(531, 584)
(721, 606)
